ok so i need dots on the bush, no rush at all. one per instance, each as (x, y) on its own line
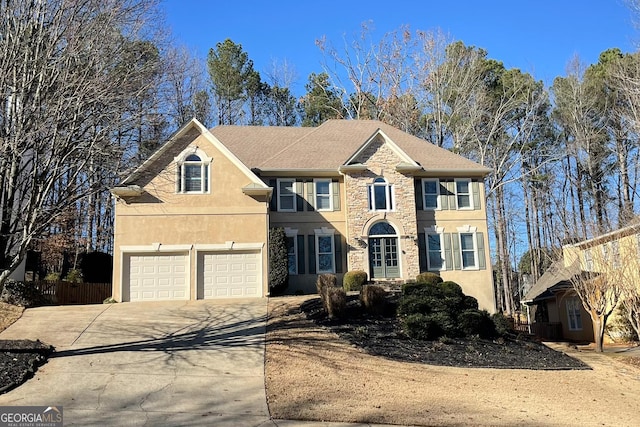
(74, 276)
(336, 302)
(428, 278)
(502, 324)
(373, 298)
(278, 261)
(52, 277)
(22, 294)
(326, 280)
(441, 309)
(421, 327)
(353, 280)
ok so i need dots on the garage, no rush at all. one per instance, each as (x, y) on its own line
(229, 274)
(157, 277)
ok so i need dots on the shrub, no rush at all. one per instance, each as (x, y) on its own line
(109, 300)
(353, 280)
(52, 277)
(74, 276)
(428, 278)
(421, 327)
(336, 302)
(373, 298)
(477, 322)
(501, 324)
(278, 261)
(441, 309)
(22, 294)
(326, 280)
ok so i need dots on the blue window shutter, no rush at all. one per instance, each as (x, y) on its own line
(301, 258)
(457, 255)
(311, 202)
(335, 189)
(338, 252)
(419, 203)
(299, 188)
(448, 254)
(475, 189)
(482, 264)
(422, 252)
(273, 204)
(311, 239)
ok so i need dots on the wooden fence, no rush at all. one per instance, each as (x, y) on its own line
(66, 293)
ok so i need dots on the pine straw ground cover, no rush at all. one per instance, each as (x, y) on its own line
(19, 359)
(364, 371)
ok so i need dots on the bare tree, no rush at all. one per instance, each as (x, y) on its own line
(67, 81)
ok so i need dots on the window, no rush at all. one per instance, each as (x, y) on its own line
(286, 195)
(193, 173)
(468, 251)
(325, 253)
(588, 260)
(292, 254)
(324, 197)
(431, 193)
(463, 194)
(573, 314)
(605, 253)
(435, 258)
(380, 195)
(615, 253)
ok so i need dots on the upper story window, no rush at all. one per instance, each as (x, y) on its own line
(615, 254)
(380, 195)
(588, 260)
(286, 195)
(464, 197)
(192, 172)
(324, 194)
(431, 193)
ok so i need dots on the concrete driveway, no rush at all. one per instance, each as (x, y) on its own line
(166, 363)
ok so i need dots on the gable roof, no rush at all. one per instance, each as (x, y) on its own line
(331, 145)
(557, 277)
(195, 126)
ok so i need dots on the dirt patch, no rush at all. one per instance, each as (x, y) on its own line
(313, 374)
(19, 359)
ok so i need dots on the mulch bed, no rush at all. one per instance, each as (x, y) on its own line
(383, 336)
(19, 360)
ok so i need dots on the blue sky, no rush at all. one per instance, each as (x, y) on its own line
(537, 36)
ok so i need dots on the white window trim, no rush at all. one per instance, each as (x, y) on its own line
(588, 260)
(474, 238)
(293, 192)
(293, 232)
(468, 180)
(389, 194)
(578, 304)
(205, 163)
(438, 195)
(330, 195)
(324, 233)
(443, 265)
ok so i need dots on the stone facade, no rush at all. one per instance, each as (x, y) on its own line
(381, 161)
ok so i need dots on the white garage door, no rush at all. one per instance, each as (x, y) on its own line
(230, 274)
(158, 277)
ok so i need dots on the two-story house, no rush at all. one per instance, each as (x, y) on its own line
(193, 220)
(557, 311)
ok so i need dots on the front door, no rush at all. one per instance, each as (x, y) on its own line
(383, 252)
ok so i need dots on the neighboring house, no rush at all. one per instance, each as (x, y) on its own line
(555, 308)
(192, 222)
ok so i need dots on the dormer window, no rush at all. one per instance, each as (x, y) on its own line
(192, 172)
(380, 195)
